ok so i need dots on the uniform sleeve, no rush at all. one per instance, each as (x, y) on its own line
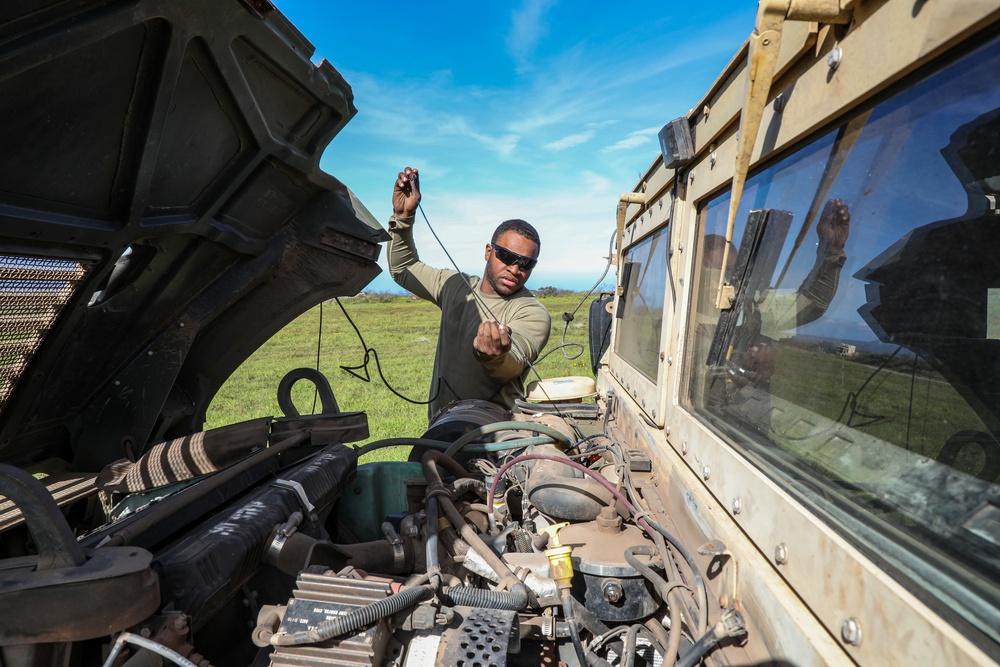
(530, 327)
(809, 303)
(405, 266)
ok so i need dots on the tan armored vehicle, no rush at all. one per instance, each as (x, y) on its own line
(790, 456)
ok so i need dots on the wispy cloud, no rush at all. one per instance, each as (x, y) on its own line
(633, 140)
(503, 145)
(570, 141)
(527, 27)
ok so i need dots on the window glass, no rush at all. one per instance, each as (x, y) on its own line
(862, 357)
(642, 315)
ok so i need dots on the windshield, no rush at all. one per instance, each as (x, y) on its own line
(861, 359)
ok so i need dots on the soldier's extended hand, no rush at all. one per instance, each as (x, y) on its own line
(834, 225)
(492, 339)
(406, 193)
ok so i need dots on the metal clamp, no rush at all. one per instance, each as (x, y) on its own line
(398, 554)
(310, 510)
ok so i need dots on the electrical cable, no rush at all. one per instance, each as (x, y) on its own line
(643, 521)
(568, 317)
(319, 346)
(482, 302)
(371, 353)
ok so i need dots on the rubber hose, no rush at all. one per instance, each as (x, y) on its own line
(628, 653)
(658, 582)
(459, 444)
(433, 568)
(574, 632)
(594, 625)
(663, 589)
(700, 648)
(514, 600)
(478, 448)
(430, 461)
(644, 522)
(699, 580)
(558, 408)
(366, 615)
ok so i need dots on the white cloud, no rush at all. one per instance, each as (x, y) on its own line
(570, 141)
(634, 140)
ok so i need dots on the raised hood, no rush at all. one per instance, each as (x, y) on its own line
(162, 213)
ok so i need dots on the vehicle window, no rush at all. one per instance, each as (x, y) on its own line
(862, 357)
(642, 313)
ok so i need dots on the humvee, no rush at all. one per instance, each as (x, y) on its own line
(791, 456)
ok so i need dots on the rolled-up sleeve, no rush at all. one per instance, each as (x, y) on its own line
(405, 266)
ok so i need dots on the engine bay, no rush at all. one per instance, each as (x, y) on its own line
(525, 540)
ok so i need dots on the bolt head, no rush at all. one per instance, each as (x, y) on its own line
(850, 632)
(781, 554)
(612, 591)
(834, 57)
(737, 505)
(706, 472)
(684, 448)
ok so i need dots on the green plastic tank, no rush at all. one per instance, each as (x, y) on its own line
(377, 492)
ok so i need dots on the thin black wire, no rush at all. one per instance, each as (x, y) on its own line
(909, 415)
(319, 345)
(371, 353)
(482, 303)
(568, 317)
(852, 398)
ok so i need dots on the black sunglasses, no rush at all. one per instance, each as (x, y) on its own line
(510, 258)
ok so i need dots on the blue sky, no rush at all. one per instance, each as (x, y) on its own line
(536, 109)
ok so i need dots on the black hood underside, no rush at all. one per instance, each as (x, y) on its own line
(162, 213)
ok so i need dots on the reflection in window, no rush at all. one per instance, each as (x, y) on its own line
(863, 353)
(642, 314)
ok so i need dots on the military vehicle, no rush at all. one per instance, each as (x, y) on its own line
(792, 453)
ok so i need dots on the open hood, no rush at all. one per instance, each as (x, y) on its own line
(162, 213)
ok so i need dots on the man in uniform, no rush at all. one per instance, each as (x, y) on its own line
(490, 333)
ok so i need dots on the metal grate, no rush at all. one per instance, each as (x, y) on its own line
(33, 292)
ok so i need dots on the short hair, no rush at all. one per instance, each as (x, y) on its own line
(519, 227)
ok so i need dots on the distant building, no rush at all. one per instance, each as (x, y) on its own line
(847, 350)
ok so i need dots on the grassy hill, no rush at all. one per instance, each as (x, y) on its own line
(403, 332)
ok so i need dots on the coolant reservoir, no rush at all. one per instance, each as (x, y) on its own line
(571, 389)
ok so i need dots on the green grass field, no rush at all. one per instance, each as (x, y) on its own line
(402, 330)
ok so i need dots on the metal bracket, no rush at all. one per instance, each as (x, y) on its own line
(762, 61)
(300, 493)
